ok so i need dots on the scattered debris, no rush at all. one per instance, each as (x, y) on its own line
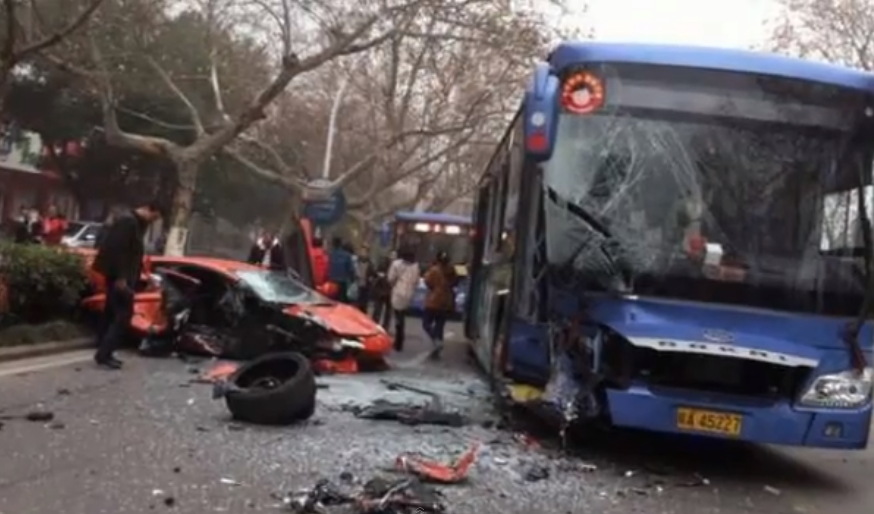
(377, 496)
(40, 416)
(536, 473)
(384, 410)
(696, 481)
(434, 471)
(434, 413)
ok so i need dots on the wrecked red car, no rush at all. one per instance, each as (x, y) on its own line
(236, 310)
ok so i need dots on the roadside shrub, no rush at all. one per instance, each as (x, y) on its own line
(41, 283)
(22, 334)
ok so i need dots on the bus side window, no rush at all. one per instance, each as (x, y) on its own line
(513, 172)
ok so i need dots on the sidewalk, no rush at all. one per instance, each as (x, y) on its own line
(30, 351)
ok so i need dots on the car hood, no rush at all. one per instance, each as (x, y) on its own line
(343, 319)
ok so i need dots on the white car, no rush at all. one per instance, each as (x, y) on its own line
(81, 234)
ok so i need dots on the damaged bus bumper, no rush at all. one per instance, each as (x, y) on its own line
(782, 423)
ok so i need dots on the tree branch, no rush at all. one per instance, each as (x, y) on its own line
(277, 178)
(55, 38)
(172, 86)
(114, 135)
(292, 66)
(8, 58)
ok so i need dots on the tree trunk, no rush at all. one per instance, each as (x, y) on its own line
(180, 210)
(291, 221)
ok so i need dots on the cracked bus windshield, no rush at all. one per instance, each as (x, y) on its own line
(692, 188)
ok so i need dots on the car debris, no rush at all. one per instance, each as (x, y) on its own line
(432, 413)
(274, 389)
(376, 496)
(434, 471)
(772, 490)
(384, 410)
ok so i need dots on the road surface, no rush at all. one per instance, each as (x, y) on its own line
(148, 439)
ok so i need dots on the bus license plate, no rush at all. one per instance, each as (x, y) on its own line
(709, 421)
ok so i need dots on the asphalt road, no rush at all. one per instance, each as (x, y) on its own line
(147, 439)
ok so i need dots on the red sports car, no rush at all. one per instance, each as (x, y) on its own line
(237, 310)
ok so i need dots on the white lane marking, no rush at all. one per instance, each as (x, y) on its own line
(44, 363)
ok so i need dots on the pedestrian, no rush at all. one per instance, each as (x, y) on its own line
(266, 251)
(54, 226)
(403, 275)
(34, 226)
(320, 262)
(104, 228)
(341, 269)
(364, 276)
(380, 292)
(21, 226)
(120, 259)
(440, 279)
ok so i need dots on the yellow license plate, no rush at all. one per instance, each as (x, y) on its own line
(709, 421)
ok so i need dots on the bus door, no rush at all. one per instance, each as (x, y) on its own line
(488, 302)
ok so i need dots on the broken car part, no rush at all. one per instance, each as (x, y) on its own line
(377, 496)
(433, 471)
(275, 389)
(410, 414)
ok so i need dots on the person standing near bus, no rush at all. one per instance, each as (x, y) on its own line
(53, 227)
(380, 292)
(403, 276)
(341, 269)
(440, 279)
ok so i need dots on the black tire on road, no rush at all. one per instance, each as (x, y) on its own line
(292, 399)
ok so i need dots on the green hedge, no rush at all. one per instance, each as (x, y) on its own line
(42, 283)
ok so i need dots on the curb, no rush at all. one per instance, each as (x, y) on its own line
(31, 351)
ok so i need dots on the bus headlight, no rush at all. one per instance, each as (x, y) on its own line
(845, 390)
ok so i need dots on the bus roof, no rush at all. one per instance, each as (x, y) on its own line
(432, 217)
(571, 53)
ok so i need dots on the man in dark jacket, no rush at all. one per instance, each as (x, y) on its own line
(341, 269)
(119, 259)
(267, 252)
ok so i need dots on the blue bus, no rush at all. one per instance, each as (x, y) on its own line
(678, 239)
(428, 233)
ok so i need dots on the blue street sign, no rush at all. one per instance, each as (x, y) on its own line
(327, 210)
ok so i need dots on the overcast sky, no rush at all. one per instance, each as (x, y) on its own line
(735, 23)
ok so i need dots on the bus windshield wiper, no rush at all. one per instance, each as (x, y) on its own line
(612, 269)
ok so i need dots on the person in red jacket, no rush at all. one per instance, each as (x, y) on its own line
(54, 227)
(320, 263)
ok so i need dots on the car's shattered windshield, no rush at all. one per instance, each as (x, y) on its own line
(279, 287)
(664, 201)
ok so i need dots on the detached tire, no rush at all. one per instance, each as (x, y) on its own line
(290, 397)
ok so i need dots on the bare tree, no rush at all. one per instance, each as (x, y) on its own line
(839, 31)
(416, 112)
(306, 36)
(26, 35)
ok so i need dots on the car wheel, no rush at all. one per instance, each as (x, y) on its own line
(275, 389)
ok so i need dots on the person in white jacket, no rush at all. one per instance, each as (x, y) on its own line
(403, 276)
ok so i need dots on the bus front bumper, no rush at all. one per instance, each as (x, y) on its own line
(780, 423)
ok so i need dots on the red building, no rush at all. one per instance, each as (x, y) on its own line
(22, 183)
